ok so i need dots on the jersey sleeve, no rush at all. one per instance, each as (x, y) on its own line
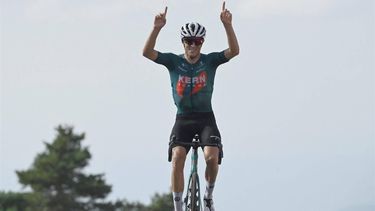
(217, 58)
(165, 59)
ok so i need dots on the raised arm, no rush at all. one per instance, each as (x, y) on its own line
(226, 18)
(149, 51)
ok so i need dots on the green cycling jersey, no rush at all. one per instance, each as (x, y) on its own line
(192, 84)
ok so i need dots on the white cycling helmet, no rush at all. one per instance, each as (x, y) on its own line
(193, 29)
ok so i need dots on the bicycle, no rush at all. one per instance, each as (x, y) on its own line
(192, 200)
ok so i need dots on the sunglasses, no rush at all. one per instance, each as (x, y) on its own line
(190, 41)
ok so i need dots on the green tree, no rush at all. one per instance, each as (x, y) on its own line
(161, 202)
(133, 206)
(57, 178)
(12, 201)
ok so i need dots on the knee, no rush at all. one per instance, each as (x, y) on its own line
(178, 158)
(212, 159)
(211, 155)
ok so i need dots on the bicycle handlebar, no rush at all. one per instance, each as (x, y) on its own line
(194, 144)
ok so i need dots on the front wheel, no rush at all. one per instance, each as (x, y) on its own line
(192, 200)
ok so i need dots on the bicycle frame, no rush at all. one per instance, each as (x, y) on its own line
(193, 197)
(193, 200)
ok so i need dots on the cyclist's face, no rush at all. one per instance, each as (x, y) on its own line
(192, 46)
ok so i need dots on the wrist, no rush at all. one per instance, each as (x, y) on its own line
(227, 24)
(157, 28)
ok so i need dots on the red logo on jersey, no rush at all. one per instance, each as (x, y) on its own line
(198, 82)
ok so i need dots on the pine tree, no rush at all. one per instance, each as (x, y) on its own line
(57, 179)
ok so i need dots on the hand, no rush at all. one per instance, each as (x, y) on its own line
(160, 20)
(225, 16)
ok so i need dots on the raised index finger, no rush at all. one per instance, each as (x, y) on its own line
(223, 8)
(165, 11)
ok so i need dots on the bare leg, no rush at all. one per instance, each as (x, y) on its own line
(178, 163)
(211, 155)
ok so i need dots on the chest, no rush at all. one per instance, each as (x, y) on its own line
(192, 73)
(187, 69)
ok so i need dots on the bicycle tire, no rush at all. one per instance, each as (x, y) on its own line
(192, 200)
(195, 195)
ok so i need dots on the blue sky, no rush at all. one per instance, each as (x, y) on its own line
(295, 108)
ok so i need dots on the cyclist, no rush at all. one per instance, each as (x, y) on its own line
(192, 77)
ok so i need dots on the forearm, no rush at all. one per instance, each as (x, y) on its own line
(233, 49)
(148, 50)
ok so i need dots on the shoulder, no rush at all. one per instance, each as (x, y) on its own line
(163, 58)
(217, 57)
(168, 54)
(215, 54)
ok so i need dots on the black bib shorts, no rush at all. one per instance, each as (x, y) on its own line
(187, 126)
